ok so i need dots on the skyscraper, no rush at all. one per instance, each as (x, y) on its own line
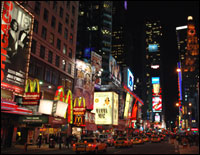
(95, 32)
(153, 75)
(188, 49)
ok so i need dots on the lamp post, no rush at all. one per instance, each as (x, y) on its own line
(190, 115)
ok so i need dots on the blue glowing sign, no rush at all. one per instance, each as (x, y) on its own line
(130, 80)
(87, 52)
(153, 47)
(155, 80)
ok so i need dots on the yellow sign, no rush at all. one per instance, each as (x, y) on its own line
(31, 86)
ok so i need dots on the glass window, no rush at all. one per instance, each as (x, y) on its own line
(69, 68)
(50, 56)
(53, 22)
(44, 32)
(67, 19)
(64, 49)
(73, 10)
(51, 39)
(55, 5)
(42, 51)
(71, 38)
(57, 61)
(33, 46)
(48, 75)
(64, 65)
(58, 44)
(66, 34)
(70, 53)
(37, 7)
(61, 12)
(72, 24)
(35, 27)
(54, 78)
(46, 15)
(68, 4)
(38, 71)
(60, 28)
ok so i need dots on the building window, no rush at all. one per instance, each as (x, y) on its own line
(58, 43)
(70, 53)
(53, 22)
(60, 28)
(37, 7)
(72, 24)
(61, 12)
(44, 32)
(66, 34)
(42, 51)
(57, 61)
(64, 49)
(68, 5)
(54, 5)
(67, 19)
(50, 56)
(51, 39)
(64, 65)
(35, 27)
(69, 68)
(73, 10)
(54, 78)
(33, 46)
(48, 75)
(46, 15)
(71, 38)
(38, 71)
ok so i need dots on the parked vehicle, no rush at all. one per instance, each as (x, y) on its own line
(122, 142)
(138, 140)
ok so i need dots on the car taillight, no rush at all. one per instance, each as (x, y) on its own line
(85, 142)
(74, 145)
(131, 140)
(140, 140)
(151, 138)
(114, 141)
(158, 138)
(108, 140)
(89, 145)
(125, 142)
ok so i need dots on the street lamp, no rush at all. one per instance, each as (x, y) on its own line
(177, 104)
(178, 70)
(190, 104)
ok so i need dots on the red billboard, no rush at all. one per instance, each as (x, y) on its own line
(16, 32)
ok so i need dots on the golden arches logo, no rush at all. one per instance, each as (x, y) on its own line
(31, 85)
(78, 120)
(80, 100)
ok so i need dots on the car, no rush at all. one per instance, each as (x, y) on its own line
(155, 138)
(110, 141)
(145, 138)
(138, 140)
(122, 142)
(89, 144)
(103, 138)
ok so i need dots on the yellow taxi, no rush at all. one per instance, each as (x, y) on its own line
(89, 144)
(155, 138)
(122, 142)
(146, 138)
(138, 140)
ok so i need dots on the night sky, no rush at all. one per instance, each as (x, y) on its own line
(171, 14)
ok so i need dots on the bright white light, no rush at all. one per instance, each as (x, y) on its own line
(49, 87)
(190, 18)
(181, 27)
(155, 66)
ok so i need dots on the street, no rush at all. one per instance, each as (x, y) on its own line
(147, 148)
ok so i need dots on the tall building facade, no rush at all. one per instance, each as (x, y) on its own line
(95, 32)
(118, 33)
(188, 48)
(153, 110)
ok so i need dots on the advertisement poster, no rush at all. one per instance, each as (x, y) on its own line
(127, 102)
(114, 70)
(96, 62)
(103, 108)
(157, 104)
(130, 80)
(16, 33)
(115, 108)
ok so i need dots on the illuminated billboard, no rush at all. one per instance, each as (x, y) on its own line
(155, 80)
(157, 104)
(130, 80)
(45, 107)
(106, 108)
(115, 73)
(153, 47)
(87, 52)
(157, 117)
(16, 35)
(128, 105)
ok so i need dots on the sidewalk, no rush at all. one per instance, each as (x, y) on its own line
(19, 149)
(189, 150)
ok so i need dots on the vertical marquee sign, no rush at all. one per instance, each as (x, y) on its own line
(16, 36)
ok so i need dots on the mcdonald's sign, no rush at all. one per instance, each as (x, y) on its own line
(79, 111)
(60, 95)
(32, 92)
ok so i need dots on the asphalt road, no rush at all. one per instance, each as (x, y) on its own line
(147, 148)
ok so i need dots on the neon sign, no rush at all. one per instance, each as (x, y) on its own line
(60, 95)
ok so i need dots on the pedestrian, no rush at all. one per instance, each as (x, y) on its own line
(67, 142)
(39, 141)
(60, 141)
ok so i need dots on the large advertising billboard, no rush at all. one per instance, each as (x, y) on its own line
(153, 47)
(96, 62)
(130, 79)
(106, 108)
(157, 104)
(16, 35)
(128, 105)
(115, 73)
